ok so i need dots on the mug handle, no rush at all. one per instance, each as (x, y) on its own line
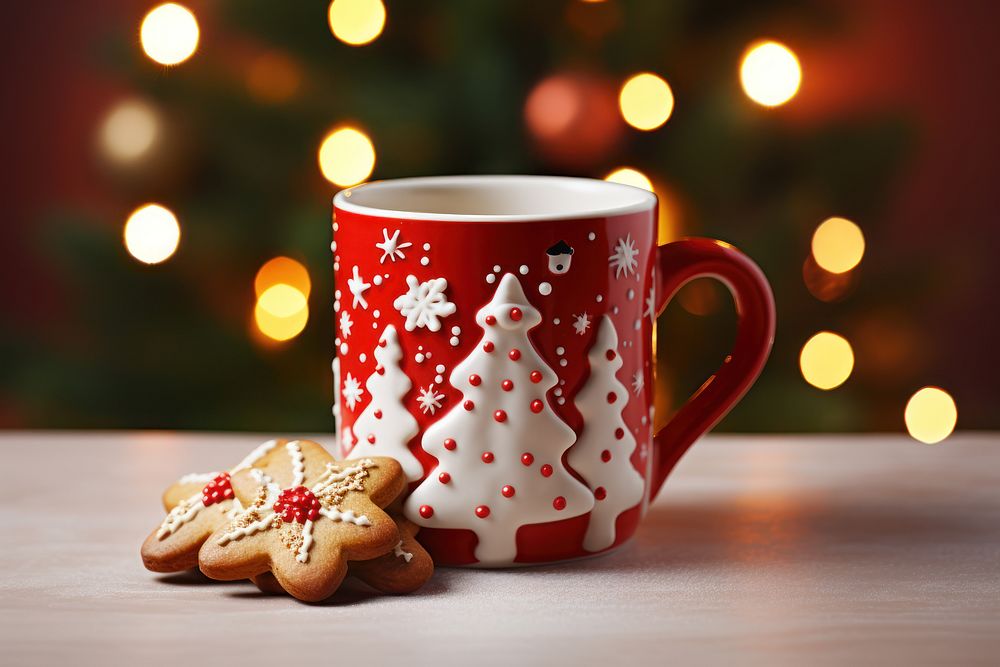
(678, 263)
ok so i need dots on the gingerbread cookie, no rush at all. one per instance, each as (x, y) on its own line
(198, 504)
(304, 535)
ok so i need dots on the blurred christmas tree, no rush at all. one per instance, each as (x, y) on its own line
(229, 140)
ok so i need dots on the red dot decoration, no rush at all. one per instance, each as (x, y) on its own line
(600, 493)
(426, 511)
(536, 376)
(619, 433)
(612, 397)
(516, 314)
(546, 470)
(371, 438)
(500, 416)
(488, 346)
(491, 320)
(559, 503)
(378, 414)
(507, 385)
(606, 455)
(450, 444)
(527, 458)
(475, 380)
(487, 457)
(514, 354)
(468, 405)
(444, 478)
(610, 354)
(507, 491)
(537, 406)
(380, 370)
(219, 489)
(297, 504)
(383, 343)
(482, 511)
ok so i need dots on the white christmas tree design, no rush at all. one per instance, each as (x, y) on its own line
(601, 455)
(499, 450)
(385, 426)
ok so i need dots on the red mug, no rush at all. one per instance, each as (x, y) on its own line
(494, 335)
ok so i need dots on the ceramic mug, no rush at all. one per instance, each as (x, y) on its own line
(494, 335)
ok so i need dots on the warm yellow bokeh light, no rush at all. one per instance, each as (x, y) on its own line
(356, 22)
(826, 360)
(838, 245)
(152, 233)
(129, 130)
(630, 176)
(646, 101)
(346, 157)
(770, 73)
(282, 300)
(930, 415)
(280, 328)
(169, 34)
(282, 270)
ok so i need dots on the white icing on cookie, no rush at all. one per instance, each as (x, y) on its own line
(307, 540)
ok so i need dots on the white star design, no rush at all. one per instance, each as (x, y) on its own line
(581, 323)
(638, 382)
(650, 311)
(623, 259)
(358, 286)
(345, 325)
(429, 399)
(391, 247)
(346, 441)
(352, 392)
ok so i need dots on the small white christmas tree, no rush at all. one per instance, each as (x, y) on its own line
(602, 454)
(499, 450)
(385, 426)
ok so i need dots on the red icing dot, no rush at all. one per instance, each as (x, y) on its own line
(610, 354)
(546, 470)
(536, 376)
(537, 406)
(426, 511)
(527, 459)
(507, 491)
(600, 493)
(219, 489)
(559, 503)
(612, 397)
(468, 405)
(297, 504)
(371, 438)
(383, 343)
(488, 346)
(482, 511)
(444, 478)
(491, 320)
(506, 385)
(475, 380)
(500, 416)
(606, 456)
(514, 354)
(378, 414)
(380, 370)
(619, 433)
(515, 314)
(449, 444)
(487, 457)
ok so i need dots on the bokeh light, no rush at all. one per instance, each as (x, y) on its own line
(838, 245)
(346, 157)
(273, 77)
(129, 131)
(280, 328)
(169, 34)
(770, 73)
(356, 22)
(930, 415)
(630, 176)
(152, 233)
(282, 270)
(282, 300)
(826, 360)
(646, 101)
(826, 286)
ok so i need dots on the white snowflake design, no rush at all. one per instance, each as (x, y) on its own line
(424, 303)
(429, 399)
(391, 247)
(352, 392)
(623, 260)
(581, 323)
(358, 286)
(638, 382)
(650, 311)
(346, 440)
(345, 325)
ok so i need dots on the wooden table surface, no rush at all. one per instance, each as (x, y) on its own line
(796, 550)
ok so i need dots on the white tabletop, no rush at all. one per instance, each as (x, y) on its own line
(797, 550)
